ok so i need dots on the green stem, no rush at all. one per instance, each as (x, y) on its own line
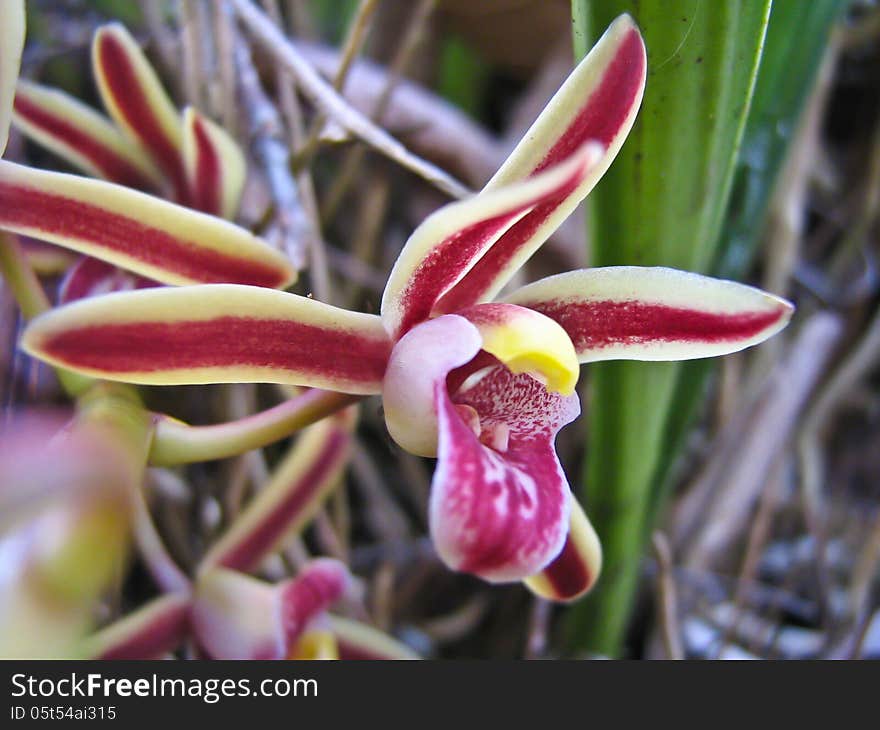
(176, 442)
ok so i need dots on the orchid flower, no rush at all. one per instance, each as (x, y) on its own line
(483, 384)
(143, 149)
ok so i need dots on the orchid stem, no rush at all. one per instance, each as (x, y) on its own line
(176, 442)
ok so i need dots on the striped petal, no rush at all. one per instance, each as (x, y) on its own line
(138, 232)
(357, 641)
(499, 505)
(221, 333)
(235, 616)
(451, 241)
(575, 570)
(635, 313)
(82, 137)
(298, 487)
(11, 45)
(91, 277)
(598, 102)
(134, 97)
(148, 633)
(214, 165)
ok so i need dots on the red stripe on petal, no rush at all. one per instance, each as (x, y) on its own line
(146, 347)
(45, 213)
(485, 271)
(593, 325)
(247, 553)
(444, 265)
(608, 106)
(125, 87)
(567, 574)
(113, 167)
(600, 120)
(161, 634)
(206, 186)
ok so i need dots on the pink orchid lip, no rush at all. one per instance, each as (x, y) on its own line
(499, 505)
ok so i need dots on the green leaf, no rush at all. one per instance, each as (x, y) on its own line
(662, 203)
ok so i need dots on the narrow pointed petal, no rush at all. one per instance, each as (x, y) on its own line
(451, 241)
(138, 232)
(358, 640)
(134, 97)
(575, 570)
(420, 362)
(598, 102)
(91, 277)
(214, 164)
(219, 333)
(235, 616)
(11, 45)
(148, 633)
(82, 137)
(298, 487)
(499, 508)
(527, 342)
(636, 313)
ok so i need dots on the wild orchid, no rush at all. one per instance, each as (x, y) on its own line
(483, 384)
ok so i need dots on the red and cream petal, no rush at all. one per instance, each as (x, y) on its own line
(78, 134)
(148, 633)
(575, 570)
(451, 241)
(499, 505)
(636, 313)
(598, 102)
(217, 333)
(214, 165)
(134, 97)
(357, 641)
(235, 616)
(297, 489)
(91, 277)
(136, 231)
(11, 45)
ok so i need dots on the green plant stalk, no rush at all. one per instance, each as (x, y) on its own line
(794, 49)
(662, 203)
